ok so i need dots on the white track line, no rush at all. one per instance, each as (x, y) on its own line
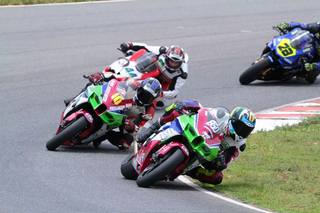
(197, 187)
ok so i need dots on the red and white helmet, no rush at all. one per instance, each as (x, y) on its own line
(174, 58)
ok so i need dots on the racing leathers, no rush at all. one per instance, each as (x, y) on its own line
(210, 171)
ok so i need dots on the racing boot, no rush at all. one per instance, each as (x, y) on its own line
(312, 71)
(122, 141)
(125, 142)
(206, 176)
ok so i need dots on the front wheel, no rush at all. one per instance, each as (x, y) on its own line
(156, 173)
(256, 69)
(67, 133)
(127, 169)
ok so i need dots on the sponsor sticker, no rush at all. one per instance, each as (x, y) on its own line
(89, 117)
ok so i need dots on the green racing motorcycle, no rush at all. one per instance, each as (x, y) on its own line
(177, 147)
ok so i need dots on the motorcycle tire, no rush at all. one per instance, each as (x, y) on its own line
(256, 69)
(159, 172)
(66, 134)
(127, 169)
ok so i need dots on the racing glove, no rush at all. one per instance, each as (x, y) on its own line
(179, 106)
(96, 77)
(129, 126)
(124, 47)
(283, 26)
(310, 66)
(217, 164)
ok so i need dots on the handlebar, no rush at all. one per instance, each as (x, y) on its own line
(129, 52)
(281, 31)
(91, 81)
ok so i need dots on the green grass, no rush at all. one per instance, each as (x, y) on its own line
(26, 2)
(279, 170)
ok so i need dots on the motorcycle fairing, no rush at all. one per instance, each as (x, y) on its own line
(141, 65)
(286, 53)
(107, 103)
(208, 127)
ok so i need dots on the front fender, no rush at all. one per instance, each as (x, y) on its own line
(86, 114)
(185, 151)
(170, 146)
(74, 116)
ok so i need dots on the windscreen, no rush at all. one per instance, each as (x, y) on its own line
(127, 89)
(147, 62)
(301, 40)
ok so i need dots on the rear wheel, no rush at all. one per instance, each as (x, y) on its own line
(256, 69)
(127, 169)
(66, 134)
(154, 173)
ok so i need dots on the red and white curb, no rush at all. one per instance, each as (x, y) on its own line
(287, 114)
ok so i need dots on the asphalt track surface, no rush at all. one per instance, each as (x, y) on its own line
(44, 52)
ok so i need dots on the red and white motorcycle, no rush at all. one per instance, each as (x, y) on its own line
(137, 65)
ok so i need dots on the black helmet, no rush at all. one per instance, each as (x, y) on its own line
(242, 122)
(174, 58)
(148, 92)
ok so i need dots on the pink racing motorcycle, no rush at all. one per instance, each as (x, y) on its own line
(94, 112)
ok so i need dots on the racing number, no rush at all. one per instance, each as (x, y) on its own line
(213, 125)
(117, 99)
(285, 50)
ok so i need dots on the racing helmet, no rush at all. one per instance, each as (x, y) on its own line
(241, 123)
(174, 58)
(148, 92)
(301, 40)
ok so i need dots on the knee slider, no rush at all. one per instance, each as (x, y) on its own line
(243, 147)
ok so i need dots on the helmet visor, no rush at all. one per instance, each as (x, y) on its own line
(144, 98)
(173, 64)
(241, 128)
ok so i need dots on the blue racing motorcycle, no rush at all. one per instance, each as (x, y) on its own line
(283, 58)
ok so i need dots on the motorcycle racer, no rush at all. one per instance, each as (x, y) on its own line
(143, 110)
(172, 62)
(240, 125)
(312, 67)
